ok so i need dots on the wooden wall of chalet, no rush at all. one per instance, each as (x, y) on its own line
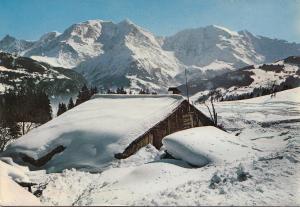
(185, 116)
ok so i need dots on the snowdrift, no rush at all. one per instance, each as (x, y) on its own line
(10, 192)
(203, 145)
(124, 186)
(89, 135)
(16, 172)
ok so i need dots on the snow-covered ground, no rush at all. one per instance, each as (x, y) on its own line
(270, 127)
(10, 192)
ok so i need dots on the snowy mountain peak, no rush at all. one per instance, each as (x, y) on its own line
(47, 38)
(11, 44)
(8, 38)
(80, 31)
(94, 22)
(224, 29)
(127, 22)
(128, 26)
(131, 55)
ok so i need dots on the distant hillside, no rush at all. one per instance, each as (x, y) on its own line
(25, 72)
(250, 81)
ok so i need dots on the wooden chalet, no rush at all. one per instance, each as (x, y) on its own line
(185, 116)
(174, 90)
(117, 125)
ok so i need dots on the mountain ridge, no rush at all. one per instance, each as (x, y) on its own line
(112, 54)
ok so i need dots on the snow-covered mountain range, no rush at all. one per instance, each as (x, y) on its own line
(215, 47)
(123, 54)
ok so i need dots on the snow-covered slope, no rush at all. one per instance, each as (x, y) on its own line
(16, 72)
(291, 95)
(250, 81)
(100, 128)
(12, 194)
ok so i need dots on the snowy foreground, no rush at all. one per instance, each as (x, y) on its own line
(265, 172)
(10, 192)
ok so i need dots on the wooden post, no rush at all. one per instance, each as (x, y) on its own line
(187, 90)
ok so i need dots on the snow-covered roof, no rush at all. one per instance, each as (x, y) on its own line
(96, 130)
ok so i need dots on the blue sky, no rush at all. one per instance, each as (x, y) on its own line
(29, 19)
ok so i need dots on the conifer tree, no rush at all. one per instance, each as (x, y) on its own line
(146, 91)
(121, 90)
(94, 90)
(59, 112)
(109, 91)
(62, 108)
(84, 95)
(23, 108)
(70, 104)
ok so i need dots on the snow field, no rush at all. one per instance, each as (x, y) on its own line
(269, 177)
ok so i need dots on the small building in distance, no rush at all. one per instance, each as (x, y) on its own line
(174, 90)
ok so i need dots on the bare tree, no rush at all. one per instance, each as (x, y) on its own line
(8, 132)
(4, 137)
(27, 126)
(273, 88)
(212, 112)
